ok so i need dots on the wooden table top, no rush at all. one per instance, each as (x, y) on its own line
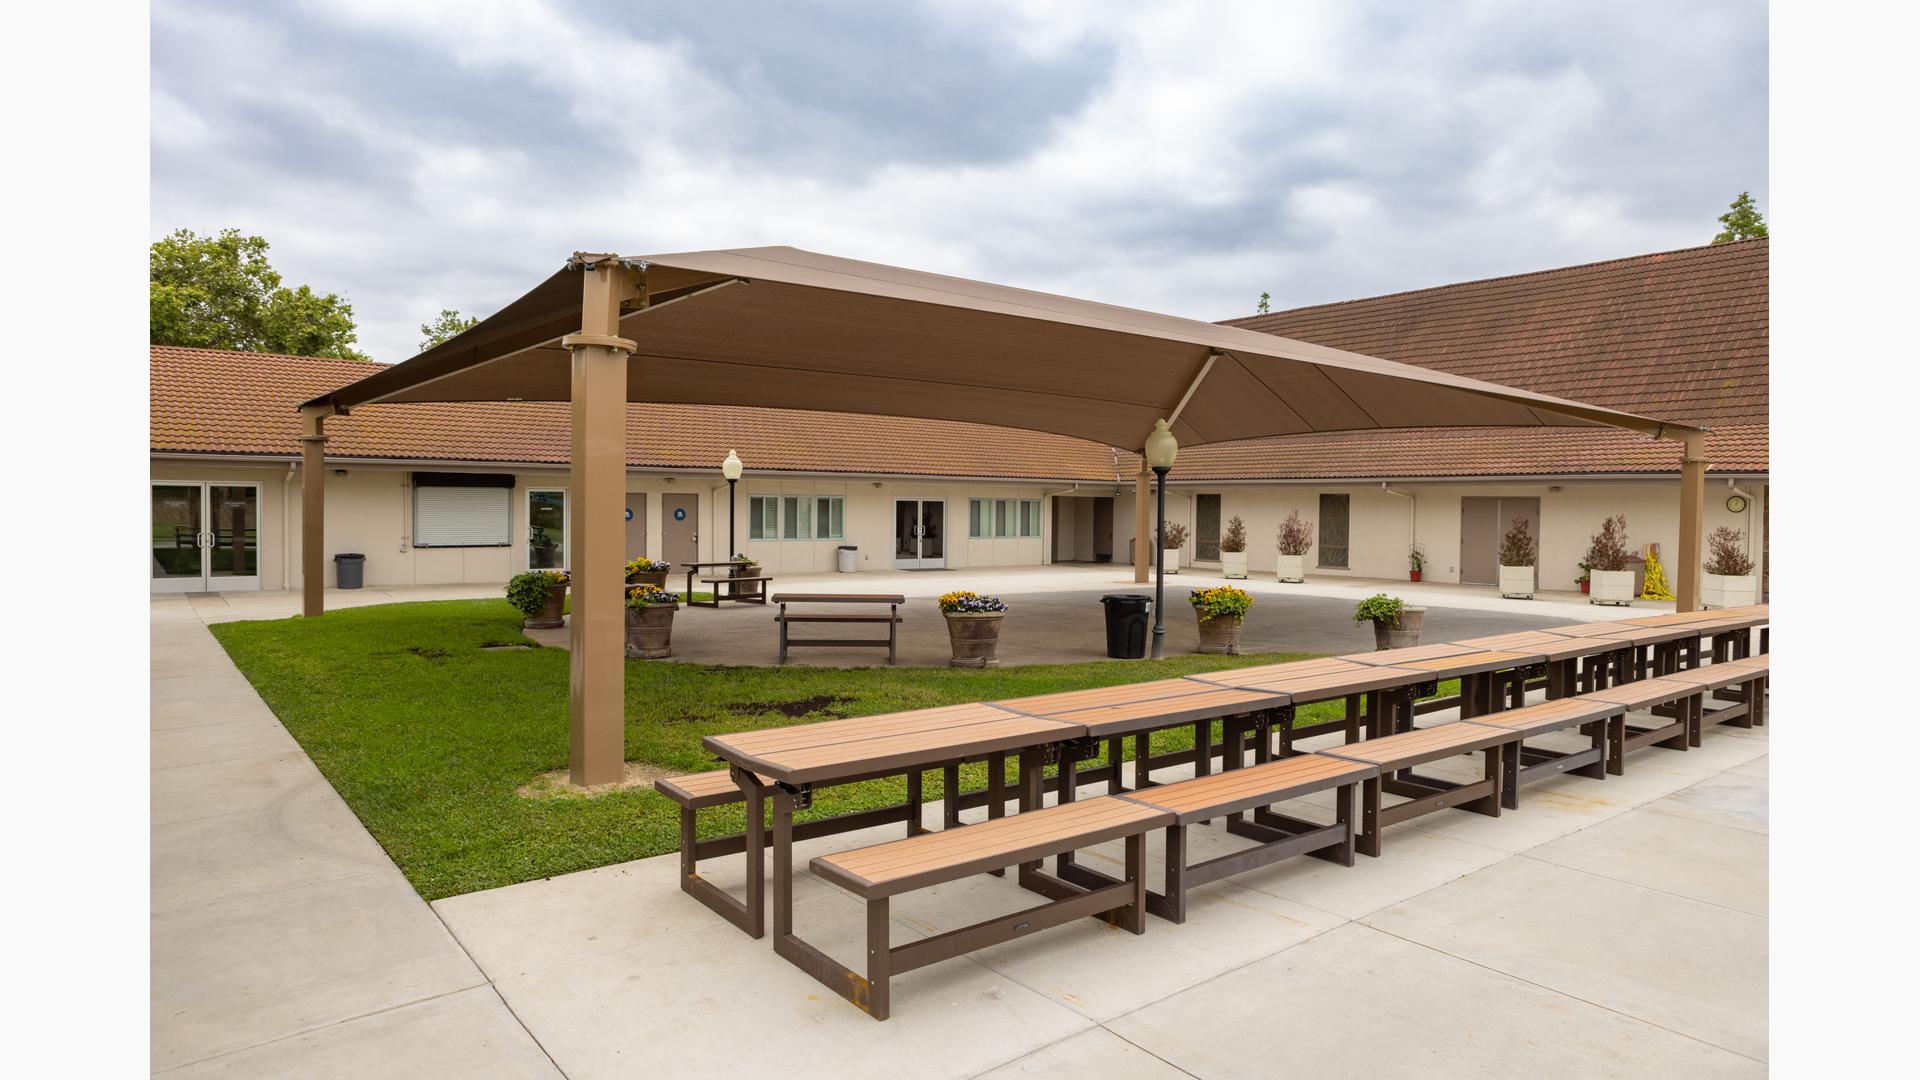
(866, 745)
(1518, 641)
(1305, 685)
(1150, 714)
(1450, 660)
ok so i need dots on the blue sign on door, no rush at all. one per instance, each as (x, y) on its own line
(629, 513)
(679, 513)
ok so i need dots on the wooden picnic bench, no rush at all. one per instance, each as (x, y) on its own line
(786, 619)
(756, 594)
(1397, 755)
(1602, 722)
(1376, 697)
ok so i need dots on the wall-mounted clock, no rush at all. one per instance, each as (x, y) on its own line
(1736, 504)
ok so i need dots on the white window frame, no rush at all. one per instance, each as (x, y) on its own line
(836, 509)
(796, 517)
(769, 523)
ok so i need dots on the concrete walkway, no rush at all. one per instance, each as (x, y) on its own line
(285, 942)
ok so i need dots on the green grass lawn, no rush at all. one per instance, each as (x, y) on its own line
(427, 735)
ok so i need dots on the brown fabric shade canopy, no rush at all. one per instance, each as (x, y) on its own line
(785, 328)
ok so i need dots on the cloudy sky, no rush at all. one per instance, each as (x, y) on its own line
(1181, 157)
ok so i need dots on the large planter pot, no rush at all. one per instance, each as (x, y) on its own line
(656, 578)
(553, 614)
(1170, 558)
(1291, 568)
(975, 636)
(1233, 564)
(1516, 582)
(1727, 590)
(1220, 634)
(650, 631)
(1399, 635)
(1611, 587)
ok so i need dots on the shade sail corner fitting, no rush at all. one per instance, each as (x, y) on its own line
(591, 260)
(607, 341)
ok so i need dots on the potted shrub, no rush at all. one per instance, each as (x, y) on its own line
(1396, 625)
(1585, 580)
(1221, 611)
(1233, 549)
(1416, 562)
(1730, 580)
(1607, 555)
(1174, 540)
(973, 628)
(1294, 540)
(742, 565)
(650, 611)
(541, 596)
(1518, 553)
(645, 571)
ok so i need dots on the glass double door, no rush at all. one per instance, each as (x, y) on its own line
(206, 537)
(919, 534)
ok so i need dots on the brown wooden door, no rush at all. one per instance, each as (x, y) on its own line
(636, 524)
(1479, 540)
(680, 528)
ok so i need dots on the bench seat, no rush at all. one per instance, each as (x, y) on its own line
(1599, 720)
(879, 873)
(1396, 756)
(1671, 698)
(836, 617)
(1742, 682)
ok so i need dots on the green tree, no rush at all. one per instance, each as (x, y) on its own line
(1261, 307)
(450, 324)
(220, 292)
(1742, 221)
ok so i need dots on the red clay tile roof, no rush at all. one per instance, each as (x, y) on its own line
(215, 402)
(1679, 335)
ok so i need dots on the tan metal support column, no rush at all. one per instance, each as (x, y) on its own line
(596, 493)
(1142, 521)
(313, 511)
(1693, 501)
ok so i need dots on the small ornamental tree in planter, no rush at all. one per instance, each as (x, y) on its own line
(1221, 611)
(973, 628)
(742, 565)
(1518, 554)
(1416, 562)
(1294, 540)
(1730, 580)
(1233, 549)
(645, 571)
(1172, 542)
(1607, 556)
(650, 622)
(541, 596)
(1396, 625)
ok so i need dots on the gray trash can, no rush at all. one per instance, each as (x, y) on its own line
(847, 553)
(350, 569)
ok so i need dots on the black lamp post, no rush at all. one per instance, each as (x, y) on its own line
(1160, 451)
(731, 469)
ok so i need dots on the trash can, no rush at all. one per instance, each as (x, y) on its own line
(847, 552)
(1126, 625)
(350, 569)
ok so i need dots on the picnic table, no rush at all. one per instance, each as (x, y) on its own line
(755, 595)
(786, 619)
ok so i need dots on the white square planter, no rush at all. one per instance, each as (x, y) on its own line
(1516, 582)
(1611, 587)
(1170, 558)
(1233, 564)
(1292, 568)
(1726, 590)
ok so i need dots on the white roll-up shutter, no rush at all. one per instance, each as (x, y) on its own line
(462, 516)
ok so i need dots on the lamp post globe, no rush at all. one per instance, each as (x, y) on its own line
(1160, 450)
(731, 469)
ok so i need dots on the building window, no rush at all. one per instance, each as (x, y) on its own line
(1333, 532)
(992, 519)
(794, 524)
(829, 518)
(763, 517)
(546, 530)
(1029, 517)
(462, 515)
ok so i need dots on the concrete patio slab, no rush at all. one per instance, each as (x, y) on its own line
(1690, 967)
(469, 1034)
(1718, 864)
(209, 743)
(1731, 798)
(1098, 1052)
(295, 842)
(243, 785)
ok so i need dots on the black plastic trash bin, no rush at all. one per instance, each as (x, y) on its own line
(349, 569)
(1127, 625)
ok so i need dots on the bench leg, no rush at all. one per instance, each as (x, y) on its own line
(893, 637)
(1172, 904)
(879, 958)
(950, 800)
(1617, 745)
(1116, 751)
(1369, 841)
(1496, 772)
(916, 794)
(1133, 917)
(1510, 775)
(1596, 733)
(741, 913)
(1142, 761)
(783, 636)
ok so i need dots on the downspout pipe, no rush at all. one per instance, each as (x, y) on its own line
(1413, 539)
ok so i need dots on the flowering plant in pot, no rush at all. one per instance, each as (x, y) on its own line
(973, 628)
(1294, 540)
(1222, 612)
(541, 596)
(743, 565)
(1396, 624)
(645, 571)
(650, 611)
(1416, 562)
(1585, 580)
(1607, 555)
(1518, 554)
(1172, 540)
(1233, 549)
(1730, 580)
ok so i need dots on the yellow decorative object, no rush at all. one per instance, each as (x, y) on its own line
(1656, 587)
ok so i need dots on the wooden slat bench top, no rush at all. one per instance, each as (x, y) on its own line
(1640, 693)
(1259, 785)
(701, 790)
(1318, 666)
(1725, 673)
(1589, 629)
(804, 753)
(1473, 663)
(838, 598)
(1410, 748)
(1556, 715)
(916, 862)
(1098, 697)
(1209, 703)
(1518, 641)
(1307, 687)
(1407, 656)
(1629, 634)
